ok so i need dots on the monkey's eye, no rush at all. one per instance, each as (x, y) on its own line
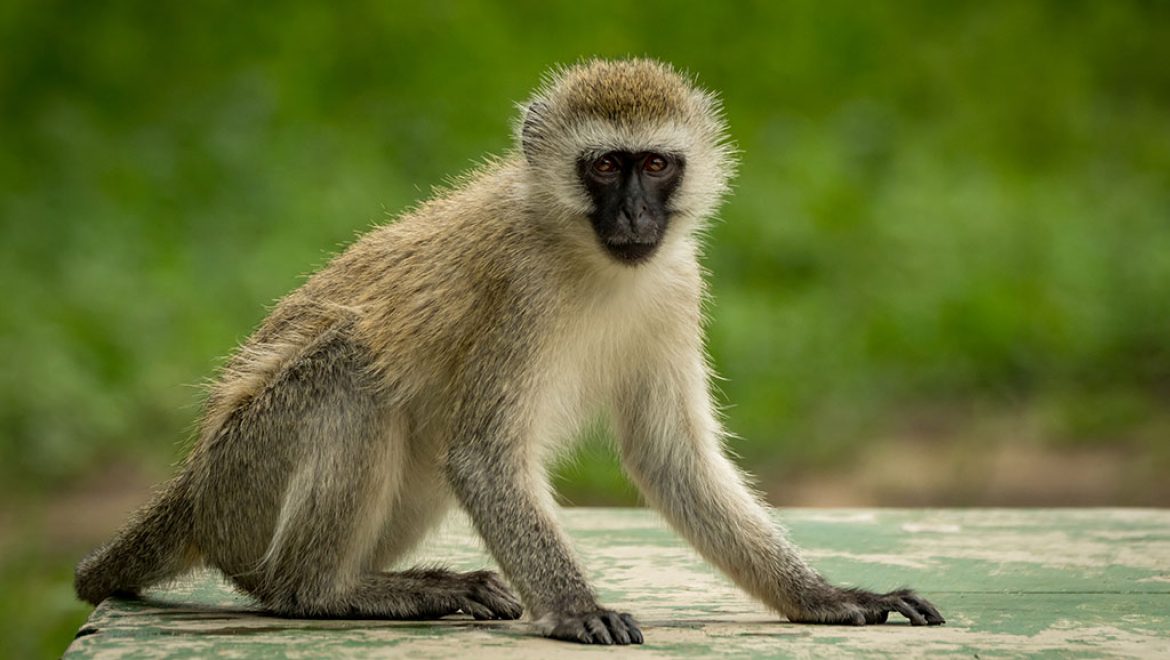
(606, 165)
(655, 164)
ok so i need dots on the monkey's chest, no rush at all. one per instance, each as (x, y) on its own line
(585, 366)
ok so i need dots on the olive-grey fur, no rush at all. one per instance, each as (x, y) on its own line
(446, 358)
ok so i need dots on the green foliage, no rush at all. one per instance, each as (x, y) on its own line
(969, 200)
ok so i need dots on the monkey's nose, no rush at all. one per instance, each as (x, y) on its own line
(639, 220)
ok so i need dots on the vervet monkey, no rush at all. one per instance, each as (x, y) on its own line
(446, 357)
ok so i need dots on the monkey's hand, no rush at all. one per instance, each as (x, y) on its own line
(599, 626)
(836, 605)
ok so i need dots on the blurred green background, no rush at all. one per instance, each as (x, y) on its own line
(943, 279)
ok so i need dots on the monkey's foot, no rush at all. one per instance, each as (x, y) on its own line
(859, 607)
(597, 627)
(485, 596)
(441, 592)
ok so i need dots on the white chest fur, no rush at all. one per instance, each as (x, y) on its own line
(617, 329)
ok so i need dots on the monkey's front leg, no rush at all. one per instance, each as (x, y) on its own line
(671, 447)
(510, 506)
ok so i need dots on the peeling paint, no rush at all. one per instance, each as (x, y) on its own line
(937, 528)
(1061, 583)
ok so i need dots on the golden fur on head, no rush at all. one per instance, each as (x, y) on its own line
(622, 91)
(598, 106)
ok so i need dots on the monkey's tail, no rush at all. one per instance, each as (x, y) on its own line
(155, 545)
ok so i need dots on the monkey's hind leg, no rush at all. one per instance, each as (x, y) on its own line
(346, 465)
(321, 562)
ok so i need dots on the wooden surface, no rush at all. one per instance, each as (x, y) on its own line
(1063, 583)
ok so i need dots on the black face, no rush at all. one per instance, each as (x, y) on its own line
(631, 194)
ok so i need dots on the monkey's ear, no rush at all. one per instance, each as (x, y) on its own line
(530, 128)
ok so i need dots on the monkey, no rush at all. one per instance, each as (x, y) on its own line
(446, 359)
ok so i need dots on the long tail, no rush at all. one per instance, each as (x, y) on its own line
(155, 545)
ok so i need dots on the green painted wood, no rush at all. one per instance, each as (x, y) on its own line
(1061, 583)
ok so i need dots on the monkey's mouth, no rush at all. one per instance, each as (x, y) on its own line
(630, 252)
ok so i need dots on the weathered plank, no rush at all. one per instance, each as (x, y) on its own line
(1010, 582)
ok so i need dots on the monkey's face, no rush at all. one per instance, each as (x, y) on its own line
(631, 193)
(604, 147)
